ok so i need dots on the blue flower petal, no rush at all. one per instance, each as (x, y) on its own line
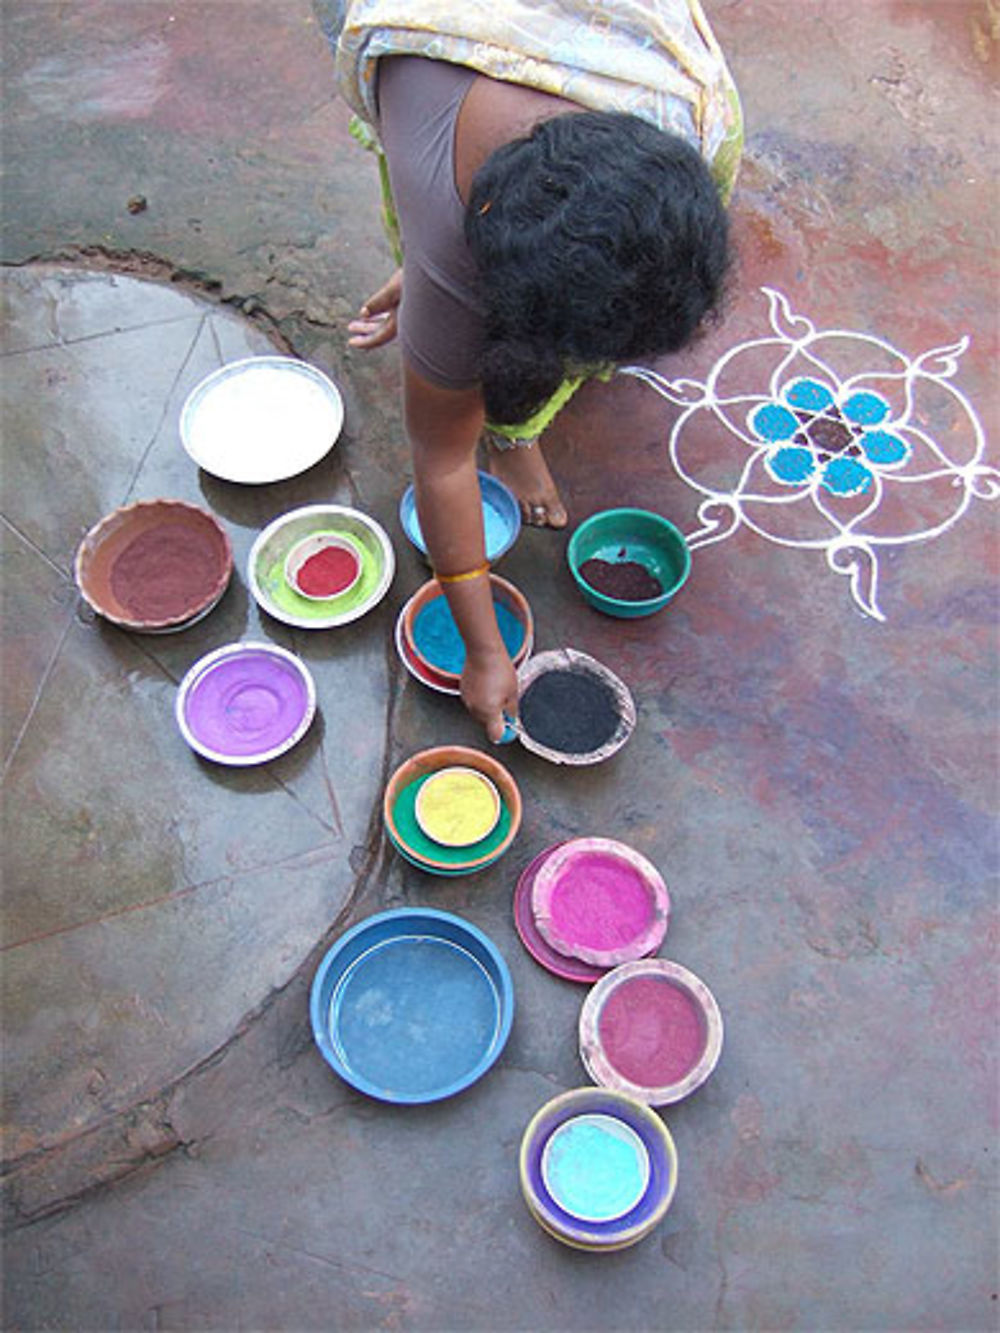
(773, 422)
(865, 408)
(811, 395)
(791, 464)
(883, 448)
(846, 476)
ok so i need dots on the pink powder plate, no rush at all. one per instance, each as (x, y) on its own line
(652, 1030)
(600, 901)
(570, 969)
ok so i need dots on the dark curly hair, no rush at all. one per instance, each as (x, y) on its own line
(598, 239)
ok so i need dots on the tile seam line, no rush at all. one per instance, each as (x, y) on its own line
(168, 398)
(162, 1094)
(173, 896)
(336, 829)
(65, 574)
(8, 355)
(43, 682)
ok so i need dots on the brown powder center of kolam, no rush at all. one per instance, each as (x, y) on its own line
(829, 434)
(166, 571)
(569, 711)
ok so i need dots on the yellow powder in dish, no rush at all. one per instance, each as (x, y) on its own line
(457, 807)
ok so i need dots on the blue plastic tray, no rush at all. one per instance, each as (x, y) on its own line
(412, 1005)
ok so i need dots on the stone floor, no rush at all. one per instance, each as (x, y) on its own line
(818, 787)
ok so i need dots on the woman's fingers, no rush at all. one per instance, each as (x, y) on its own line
(386, 298)
(372, 332)
(376, 323)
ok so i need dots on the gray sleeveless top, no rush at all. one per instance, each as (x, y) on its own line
(441, 317)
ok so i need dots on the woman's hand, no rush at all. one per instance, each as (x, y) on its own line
(376, 324)
(489, 689)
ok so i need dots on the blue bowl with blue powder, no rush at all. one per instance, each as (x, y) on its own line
(412, 1005)
(501, 517)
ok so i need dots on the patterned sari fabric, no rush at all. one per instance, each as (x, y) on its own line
(657, 60)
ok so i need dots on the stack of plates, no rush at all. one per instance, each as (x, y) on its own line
(598, 1169)
(432, 829)
(430, 646)
(587, 905)
(268, 574)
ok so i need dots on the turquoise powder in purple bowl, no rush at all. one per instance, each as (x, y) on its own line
(245, 703)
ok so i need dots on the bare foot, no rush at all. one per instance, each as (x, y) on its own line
(526, 472)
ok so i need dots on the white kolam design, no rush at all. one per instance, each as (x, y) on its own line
(828, 440)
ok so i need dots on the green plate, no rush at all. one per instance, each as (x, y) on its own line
(436, 870)
(417, 841)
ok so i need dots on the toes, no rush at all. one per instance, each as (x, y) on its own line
(551, 515)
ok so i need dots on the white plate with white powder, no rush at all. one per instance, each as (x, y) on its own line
(262, 419)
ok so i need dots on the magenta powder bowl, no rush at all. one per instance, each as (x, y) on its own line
(245, 703)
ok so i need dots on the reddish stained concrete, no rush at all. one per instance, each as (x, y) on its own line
(818, 790)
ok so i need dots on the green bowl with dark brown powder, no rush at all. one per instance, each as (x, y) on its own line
(628, 562)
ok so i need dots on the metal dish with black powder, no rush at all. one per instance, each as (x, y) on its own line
(572, 709)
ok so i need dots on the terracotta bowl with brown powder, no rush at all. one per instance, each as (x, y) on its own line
(155, 565)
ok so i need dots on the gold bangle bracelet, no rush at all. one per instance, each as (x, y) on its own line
(461, 578)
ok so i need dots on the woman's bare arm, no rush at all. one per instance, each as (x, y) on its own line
(443, 427)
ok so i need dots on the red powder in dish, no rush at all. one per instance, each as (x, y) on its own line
(328, 572)
(167, 572)
(651, 1031)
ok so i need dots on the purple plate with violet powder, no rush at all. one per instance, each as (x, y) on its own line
(245, 703)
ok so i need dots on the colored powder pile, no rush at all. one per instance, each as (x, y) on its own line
(596, 1167)
(601, 902)
(166, 572)
(457, 807)
(832, 435)
(625, 580)
(437, 640)
(572, 712)
(652, 1032)
(328, 572)
(246, 704)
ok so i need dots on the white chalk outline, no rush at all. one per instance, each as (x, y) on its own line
(849, 549)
